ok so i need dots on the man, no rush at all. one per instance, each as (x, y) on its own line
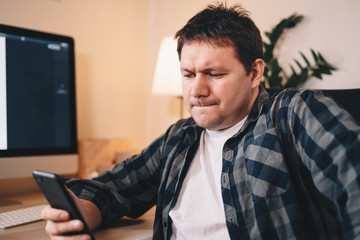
(245, 166)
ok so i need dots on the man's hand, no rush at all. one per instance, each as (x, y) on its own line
(59, 223)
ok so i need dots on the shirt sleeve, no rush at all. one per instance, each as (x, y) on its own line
(327, 139)
(129, 189)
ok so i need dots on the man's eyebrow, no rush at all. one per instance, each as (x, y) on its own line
(217, 69)
(185, 69)
(205, 70)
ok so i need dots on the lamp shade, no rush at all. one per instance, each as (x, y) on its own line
(167, 76)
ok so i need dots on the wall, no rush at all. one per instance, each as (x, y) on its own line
(117, 42)
(329, 26)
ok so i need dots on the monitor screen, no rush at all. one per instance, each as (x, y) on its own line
(37, 102)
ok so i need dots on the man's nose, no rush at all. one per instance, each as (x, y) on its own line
(200, 87)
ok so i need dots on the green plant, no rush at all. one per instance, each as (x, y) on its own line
(274, 75)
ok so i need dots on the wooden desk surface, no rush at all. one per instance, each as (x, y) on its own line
(127, 229)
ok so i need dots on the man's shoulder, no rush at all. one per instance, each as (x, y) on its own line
(295, 96)
(303, 104)
(291, 92)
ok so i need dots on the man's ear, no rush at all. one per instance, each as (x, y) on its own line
(257, 72)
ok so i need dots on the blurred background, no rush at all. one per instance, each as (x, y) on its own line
(117, 43)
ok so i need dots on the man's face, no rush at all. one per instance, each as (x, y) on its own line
(217, 90)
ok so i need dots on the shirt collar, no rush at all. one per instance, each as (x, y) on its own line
(262, 99)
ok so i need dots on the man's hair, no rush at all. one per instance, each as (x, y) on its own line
(224, 26)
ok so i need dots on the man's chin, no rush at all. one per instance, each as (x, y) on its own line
(212, 124)
(206, 122)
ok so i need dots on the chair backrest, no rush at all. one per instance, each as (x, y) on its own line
(347, 98)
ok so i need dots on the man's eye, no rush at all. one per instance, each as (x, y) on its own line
(188, 75)
(216, 75)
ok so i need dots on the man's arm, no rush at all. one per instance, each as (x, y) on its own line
(328, 141)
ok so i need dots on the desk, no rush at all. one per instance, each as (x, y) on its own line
(127, 229)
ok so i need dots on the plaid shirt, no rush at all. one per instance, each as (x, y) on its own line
(291, 172)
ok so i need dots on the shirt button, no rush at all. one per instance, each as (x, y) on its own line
(165, 224)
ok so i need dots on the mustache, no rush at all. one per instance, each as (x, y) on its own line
(202, 102)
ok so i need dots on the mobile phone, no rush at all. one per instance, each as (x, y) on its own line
(58, 197)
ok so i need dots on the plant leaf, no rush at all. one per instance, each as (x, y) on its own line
(314, 55)
(274, 76)
(305, 59)
(299, 65)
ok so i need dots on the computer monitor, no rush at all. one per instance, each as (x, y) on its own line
(37, 103)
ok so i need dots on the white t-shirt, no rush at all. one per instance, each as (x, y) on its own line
(199, 211)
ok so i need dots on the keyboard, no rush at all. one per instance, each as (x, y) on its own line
(20, 216)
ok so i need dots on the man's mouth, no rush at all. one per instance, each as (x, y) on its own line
(202, 102)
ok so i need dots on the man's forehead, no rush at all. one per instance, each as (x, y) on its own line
(205, 54)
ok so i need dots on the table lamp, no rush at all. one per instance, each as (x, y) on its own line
(167, 76)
